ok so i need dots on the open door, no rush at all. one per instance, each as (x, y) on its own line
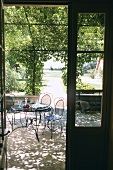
(89, 42)
(2, 92)
(88, 96)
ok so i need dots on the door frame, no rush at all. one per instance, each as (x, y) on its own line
(75, 7)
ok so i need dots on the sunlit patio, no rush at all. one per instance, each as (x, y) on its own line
(25, 152)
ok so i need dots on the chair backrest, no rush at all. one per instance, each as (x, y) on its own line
(45, 98)
(59, 106)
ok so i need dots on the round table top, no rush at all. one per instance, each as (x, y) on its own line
(31, 107)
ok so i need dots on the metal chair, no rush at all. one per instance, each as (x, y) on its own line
(54, 121)
(45, 98)
(83, 106)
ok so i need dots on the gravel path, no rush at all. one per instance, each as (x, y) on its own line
(54, 85)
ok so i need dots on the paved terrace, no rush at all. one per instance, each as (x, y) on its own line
(25, 152)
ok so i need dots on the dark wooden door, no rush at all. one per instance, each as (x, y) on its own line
(87, 128)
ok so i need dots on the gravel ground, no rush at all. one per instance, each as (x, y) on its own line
(25, 152)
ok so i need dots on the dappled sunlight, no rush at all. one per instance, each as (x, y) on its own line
(89, 119)
(25, 152)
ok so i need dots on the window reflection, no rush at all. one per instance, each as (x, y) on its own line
(89, 73)
(88, 108)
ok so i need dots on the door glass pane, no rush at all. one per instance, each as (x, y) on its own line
(89, 73)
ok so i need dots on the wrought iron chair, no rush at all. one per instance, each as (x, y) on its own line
(45, 98)
(83, 106)
(54, 121)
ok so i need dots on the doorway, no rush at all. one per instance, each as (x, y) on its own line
(90, 143)
(33, 38)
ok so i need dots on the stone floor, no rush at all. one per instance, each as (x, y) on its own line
(25, 152)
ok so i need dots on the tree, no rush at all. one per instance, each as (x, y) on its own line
(11, 79)
(90, 41)
(33, 36)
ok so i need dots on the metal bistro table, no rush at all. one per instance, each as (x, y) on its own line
(33, 114)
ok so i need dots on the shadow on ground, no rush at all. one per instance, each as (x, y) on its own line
(26, 153)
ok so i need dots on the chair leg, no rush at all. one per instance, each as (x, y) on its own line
(61, 129)
(44, 126)
(50, 126)
(51, 129)
(26, 122)
(36, 133)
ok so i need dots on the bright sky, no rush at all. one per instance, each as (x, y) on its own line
(53, 64)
